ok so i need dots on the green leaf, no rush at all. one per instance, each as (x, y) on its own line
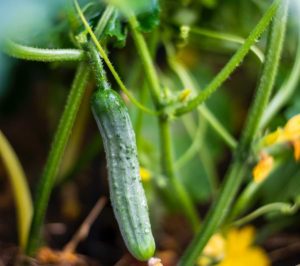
(209, 3)
(116, 30)
(149, 19)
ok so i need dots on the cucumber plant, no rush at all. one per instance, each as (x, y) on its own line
(112, 116)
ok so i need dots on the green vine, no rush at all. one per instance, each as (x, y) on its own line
(238, 169)
(61, 137)
(233, 63)
(39, 54)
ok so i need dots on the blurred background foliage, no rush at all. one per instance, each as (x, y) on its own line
(32, 95)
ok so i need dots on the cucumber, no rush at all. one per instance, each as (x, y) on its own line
(126, 191)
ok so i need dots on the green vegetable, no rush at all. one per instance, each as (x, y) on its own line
(126, 191)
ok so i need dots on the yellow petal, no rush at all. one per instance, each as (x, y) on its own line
(296, 145)
(214, 250)
(292, 128)
(273, 137)
(215, 246)
(251, 257)
(238, 240)
(239, 251)
(263, 168)
(145, 174)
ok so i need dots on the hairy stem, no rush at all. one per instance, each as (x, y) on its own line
(233, 63)
(59, 143)
(54, 158)
(287, 89)
(40, 54)
(222, 36)
(237, 170)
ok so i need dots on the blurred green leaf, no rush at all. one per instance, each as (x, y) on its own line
(116, 30)
(283, 184)
(149, 19)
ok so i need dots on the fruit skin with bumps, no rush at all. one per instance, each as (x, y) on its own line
(126, 191)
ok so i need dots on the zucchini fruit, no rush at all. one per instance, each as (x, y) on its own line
(126, 191)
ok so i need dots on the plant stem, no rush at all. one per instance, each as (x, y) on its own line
(203, 153)
(97, 67)
(237, 170)
(105, 17)
(233, 63)
(39, 54)
(59, 143)
(195, 145)
(281, 207)
(56, 152)
(224, 36)
(164, 127)
(288, 87)
(245, 199)
(187, 82)
(169, 171)
(147, 61)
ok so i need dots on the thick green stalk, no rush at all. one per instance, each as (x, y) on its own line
(56, 152)
(233, 63)
(168, 170)
(238, 168)
(97, 67)
(287, 89)
(59, 143)
(164, 127)
(39, 54)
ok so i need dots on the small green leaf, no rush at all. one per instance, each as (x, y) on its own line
(149, 19)
(116, 30)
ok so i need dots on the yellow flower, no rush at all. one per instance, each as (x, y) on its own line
(292, 129)
(290, 133)
(236, 250)
(239, 249)
(214, 250)
(263, 168)
(145, 174)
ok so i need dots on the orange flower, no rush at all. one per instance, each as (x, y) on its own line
(290, 133)
(292, 128)
(263, 168)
